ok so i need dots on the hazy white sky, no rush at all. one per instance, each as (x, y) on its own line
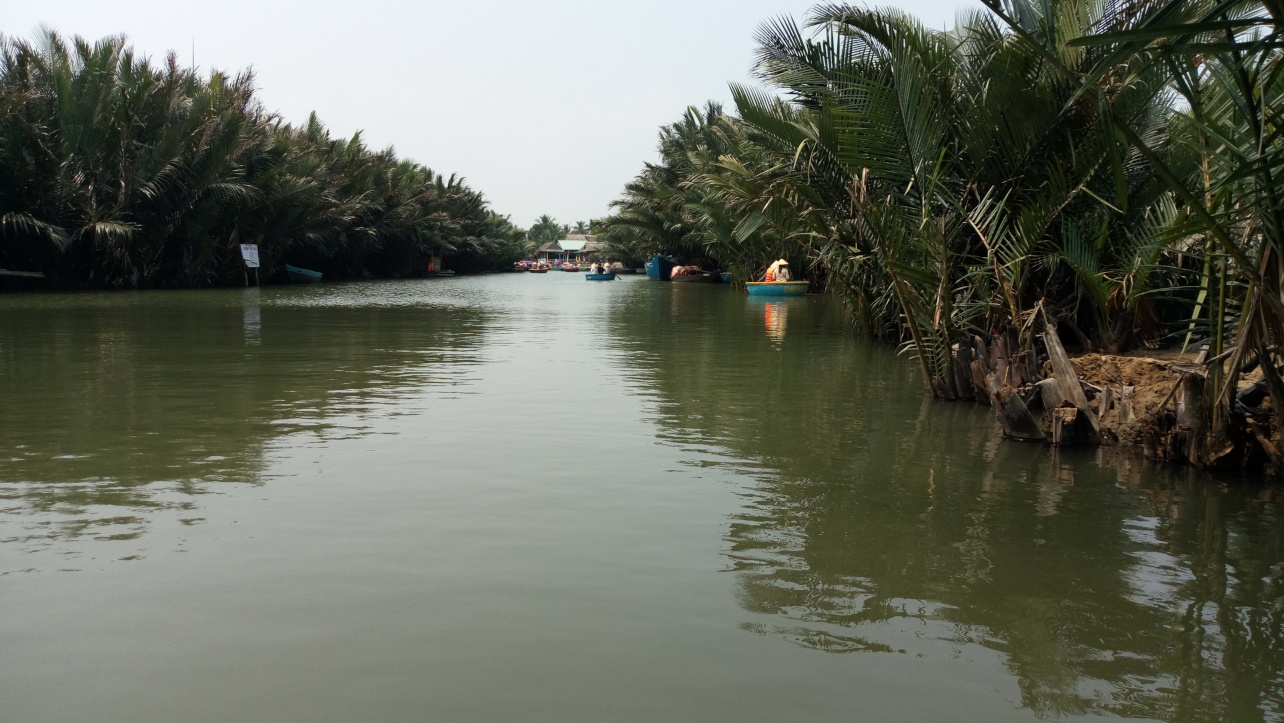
(545, 106)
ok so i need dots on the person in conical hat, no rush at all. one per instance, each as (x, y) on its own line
(778, 271)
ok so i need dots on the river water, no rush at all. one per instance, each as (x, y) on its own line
(531, 498)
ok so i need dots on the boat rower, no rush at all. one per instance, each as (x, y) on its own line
(778, 272)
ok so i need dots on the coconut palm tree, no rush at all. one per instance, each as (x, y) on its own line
(545, 230)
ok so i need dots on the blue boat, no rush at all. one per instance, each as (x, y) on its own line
(724, 277)
(302, 276)
(659, 268)
(777, 288)
(599, 277)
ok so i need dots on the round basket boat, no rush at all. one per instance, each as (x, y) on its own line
(777, 288)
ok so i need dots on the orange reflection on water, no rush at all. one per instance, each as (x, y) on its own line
(775, 316)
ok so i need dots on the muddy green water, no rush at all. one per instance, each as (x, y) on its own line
(532, 498)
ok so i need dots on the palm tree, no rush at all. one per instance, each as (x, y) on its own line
(545, 230)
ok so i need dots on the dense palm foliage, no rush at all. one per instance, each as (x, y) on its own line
(1226, 59)
(115, 171)
(1109, 167)
(546, 229)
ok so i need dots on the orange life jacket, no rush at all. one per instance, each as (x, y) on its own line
(771, 274)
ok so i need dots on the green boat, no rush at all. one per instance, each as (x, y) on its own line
(777, 288)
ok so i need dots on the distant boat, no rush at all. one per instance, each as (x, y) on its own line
(659, 268)
(539, 271)
(302, 276)
(724, 277)
(777, 288)
(599, 277)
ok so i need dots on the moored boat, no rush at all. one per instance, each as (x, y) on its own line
(659, 268)
(302, 276)
(599, 277)
(689, 275)
(724, 277)
(777, 288)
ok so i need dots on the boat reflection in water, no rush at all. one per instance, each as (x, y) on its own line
(775, 317)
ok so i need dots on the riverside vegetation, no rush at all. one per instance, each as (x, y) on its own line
(1107, 170)
(119, 172)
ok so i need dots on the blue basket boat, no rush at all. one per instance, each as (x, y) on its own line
(777, 288)
(599, 277)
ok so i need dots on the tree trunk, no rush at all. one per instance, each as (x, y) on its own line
(1069, 384)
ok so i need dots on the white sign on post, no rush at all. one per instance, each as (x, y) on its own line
(250, 252)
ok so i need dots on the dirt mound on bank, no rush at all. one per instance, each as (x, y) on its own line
(1158, 402)
(1151, 380)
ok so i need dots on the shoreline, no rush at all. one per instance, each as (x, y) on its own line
(1131, 402)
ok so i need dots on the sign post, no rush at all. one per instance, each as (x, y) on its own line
(250, 254)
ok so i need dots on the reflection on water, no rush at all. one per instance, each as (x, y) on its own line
(122, 405)
(883, 523)
(775, 318)
(253, 317)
